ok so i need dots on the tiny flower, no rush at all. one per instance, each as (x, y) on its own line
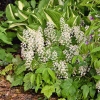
(91, 18)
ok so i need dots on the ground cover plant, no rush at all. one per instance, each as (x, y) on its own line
(59, 50)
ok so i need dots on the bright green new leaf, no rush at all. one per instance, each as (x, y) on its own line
(7, 69)
(48, 90)
(9, 78)
(20, 5)
(85, 89)
(95, 50)
(74, 59)
(96, 77)
(62, 99)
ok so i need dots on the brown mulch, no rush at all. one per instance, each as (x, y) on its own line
(17, 93)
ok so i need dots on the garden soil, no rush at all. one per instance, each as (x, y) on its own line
(17, 93)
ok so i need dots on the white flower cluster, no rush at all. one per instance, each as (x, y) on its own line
(61, 69)
(50, 34)
(98, 86)
(83, 70)
(73, 50)
(79, 35)
(97, 71)
(32, 42)
(65, 38)
(41, 43)
(48, 55)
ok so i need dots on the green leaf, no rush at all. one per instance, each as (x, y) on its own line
(16, 24)
(95, 50)
(97, 63)
(33, 3)
(41, 68)
(17, 60)
(27, 77)
(46, 76)
(92, 92)
(66, 84)
(9, 13)
(20, 5)
(51, 73)
(42, 4)
(9, 78)
(68, 88)
(3, 36)
(62, 99)
(7, 69)
(58, 88)
(28, 81)
(2, 54)
(85, 89)
(96, 77)
(38, 81)
(19, 69)
(74, 20)
(48, 90)
(8, 57)
(1, 13)
(53, 17)
(18, 80)
(74, 59)
(22, 16)
(32, 79)
(37, 18)
(27, 86)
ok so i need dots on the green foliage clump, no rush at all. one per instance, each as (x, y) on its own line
(60, 47)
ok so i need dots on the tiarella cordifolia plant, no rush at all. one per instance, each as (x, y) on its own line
(47, 45)
(60, 47)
